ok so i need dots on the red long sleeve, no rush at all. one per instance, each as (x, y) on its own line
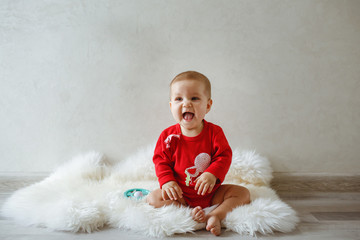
(221, 158)
(164, 164)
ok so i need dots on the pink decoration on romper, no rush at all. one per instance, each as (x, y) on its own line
(169, 138)
(202, 162)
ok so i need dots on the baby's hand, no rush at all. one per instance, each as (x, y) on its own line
(205, 182)
(172, 190)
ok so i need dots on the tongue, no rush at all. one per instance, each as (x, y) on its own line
(188, 116)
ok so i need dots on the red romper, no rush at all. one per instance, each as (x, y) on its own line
(183, 159)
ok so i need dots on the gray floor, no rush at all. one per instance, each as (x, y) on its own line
(323, 216)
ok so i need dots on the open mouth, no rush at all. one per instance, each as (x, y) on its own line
(188, 116)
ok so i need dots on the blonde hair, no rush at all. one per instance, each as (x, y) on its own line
(193, 75)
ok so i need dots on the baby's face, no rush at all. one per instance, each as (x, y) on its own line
(189, 103)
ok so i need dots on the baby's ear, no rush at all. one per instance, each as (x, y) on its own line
(209, 104)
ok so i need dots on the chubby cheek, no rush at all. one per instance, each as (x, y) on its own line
(177, 114)
(174, 110)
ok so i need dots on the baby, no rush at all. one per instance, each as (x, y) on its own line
(192, 157)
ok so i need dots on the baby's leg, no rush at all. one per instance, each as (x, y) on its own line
(228, 197)
(156, 200)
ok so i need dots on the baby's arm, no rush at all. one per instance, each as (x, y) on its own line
(172, 190)
(221, 157)
(205, 183)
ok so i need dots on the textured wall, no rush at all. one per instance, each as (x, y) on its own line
(82, 75)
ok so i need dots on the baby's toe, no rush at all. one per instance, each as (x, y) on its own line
(198, 214)
(214, 226)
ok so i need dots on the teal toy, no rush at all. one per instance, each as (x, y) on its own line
(136, 193)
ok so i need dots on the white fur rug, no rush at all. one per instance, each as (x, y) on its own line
(86, 193)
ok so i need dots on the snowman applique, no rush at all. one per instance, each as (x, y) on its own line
(202, 162)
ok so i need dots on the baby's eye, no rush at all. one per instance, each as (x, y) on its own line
(195, 98)
(178, 99)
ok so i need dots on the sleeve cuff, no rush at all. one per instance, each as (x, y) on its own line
(165, 179)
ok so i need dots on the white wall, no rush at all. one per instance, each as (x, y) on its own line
(83, 75)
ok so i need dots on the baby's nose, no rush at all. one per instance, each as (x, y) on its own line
(187, 104)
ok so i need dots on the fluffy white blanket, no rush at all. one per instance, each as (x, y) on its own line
(86, 193)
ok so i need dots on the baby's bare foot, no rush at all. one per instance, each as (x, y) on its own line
(198, 214)
(214, 225)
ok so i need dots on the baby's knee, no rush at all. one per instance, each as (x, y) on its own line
(240, 192)
(153, 198)
(246, 195)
